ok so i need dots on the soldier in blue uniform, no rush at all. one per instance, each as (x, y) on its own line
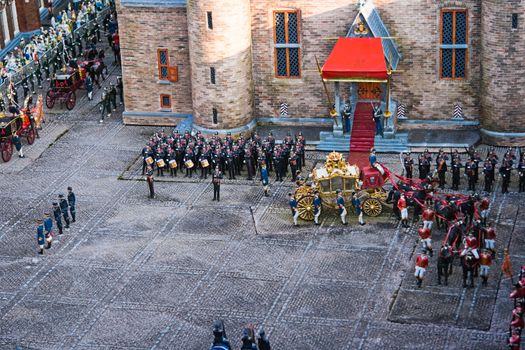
(18, 145)
(340, 201)
(265, 179)
(317, 207)
(358, 207)
(220, 341)
(48, 227)
(64, 208)
(40, 236)
(262, 342)
(71, 199)
(293, 206)
(57, 213)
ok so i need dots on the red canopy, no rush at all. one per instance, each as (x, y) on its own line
(356, 59)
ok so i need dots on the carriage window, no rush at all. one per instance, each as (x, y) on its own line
(165, 101)
(337, 183)
(325, 185)
(163, 63)
(349, 184)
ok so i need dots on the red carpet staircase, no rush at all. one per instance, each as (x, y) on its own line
(363, 133)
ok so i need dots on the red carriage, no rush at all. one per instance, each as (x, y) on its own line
(9, 126)
(63, 88)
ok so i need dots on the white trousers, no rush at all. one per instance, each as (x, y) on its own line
(426, 242)
(404, 214)
(484, 270)
(343, 215)
(489, 243)
(316, 216)
(420, 272)
(427, 224)
(295, 216)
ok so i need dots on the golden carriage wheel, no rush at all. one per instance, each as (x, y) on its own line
(372, 207)
(305, 205)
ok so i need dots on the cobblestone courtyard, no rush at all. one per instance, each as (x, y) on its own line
(136, 273)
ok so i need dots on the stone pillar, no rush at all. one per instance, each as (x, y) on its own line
(5, 26)
(227, 48)
(338, 127)
(14, 15)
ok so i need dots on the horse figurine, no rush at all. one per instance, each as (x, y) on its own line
(444, 263)
(470, 264)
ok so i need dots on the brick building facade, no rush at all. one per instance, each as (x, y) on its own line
(16, 18)
(228, 66)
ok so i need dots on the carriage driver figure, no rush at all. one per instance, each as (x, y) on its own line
(374, 163)
(471, 244)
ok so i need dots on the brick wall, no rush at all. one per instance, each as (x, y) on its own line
(503, 67)
(419, 86)
(142, 31)
(227, 48)
(28, 15)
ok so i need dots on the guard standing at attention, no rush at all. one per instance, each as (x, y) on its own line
(265, 179)
(408, 164)
(40, 236)
(48, 227)
(57, 213)
(340, 201)
(293, 206)
(71, 199)
(456, 167)
(149, 179)
(216, 180)
(64, 207)
(317, 207)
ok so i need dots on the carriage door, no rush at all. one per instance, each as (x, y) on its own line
(369, 91)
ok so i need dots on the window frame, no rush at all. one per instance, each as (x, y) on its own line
(213, 76)
(162, 105)
(453, 46)
(214, 116)
(160, 65)
(209, 20)
(514, 21)
(287, 45)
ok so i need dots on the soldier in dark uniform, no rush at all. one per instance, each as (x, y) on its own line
(71, 199)
(216, 180)
(293, 165)
(25, 85)
(521, 173)
(149, 180)
(301, 149)
(64, 208)
(248, 159)
(347, 114)
(422, 167)
(488, 170)
(248, 342)
(230, 164)
(38, 74)
(471, 175)
(57, 213)
(442, 170)
(120, 90)
(45, 66)
(160, 156)
(105, 108)
(31, 79)
(204, 156)
(408, 164)
(505, 171)
(277, 162)
(113, 96)
(263, 343)
(456, 167)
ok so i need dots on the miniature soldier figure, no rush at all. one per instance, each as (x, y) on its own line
(421, 266)
(88, 83)
(428, 218)
(521, 173)
(442, 171)
(293, 206)
(64, 208)
(425, 236)
(48, 227)
(57, 213)
(25, 85)
(358, 207)
(120, 90)
(248, 343)
(216, 180)
(18, 145)
(113, 96)
(505, 171)
(408, 164)
(484, 210)
(488, 171)
(31, 79)
(71, 199)
(149, 179)
(471, 174)
(347, 114)
(248, 159)
(422, 167)
(402, 206)
(378, 119)
(340, 201)
(219, 337)
(317, 207)
(38, 74)
(263, 343)
(265, 179)
(490, 240)
(485, 260)
(456, 166)
(40, 236)
(105, 107)
(293, 165)
(470, 244)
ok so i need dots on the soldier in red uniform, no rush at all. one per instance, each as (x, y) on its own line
(484, 210)
(425, 235)
(402, 206)
(489, 239)
(421, 267)
(517, 319)
(471, 243)
(428, 218)
(515, 340)
(485, 260)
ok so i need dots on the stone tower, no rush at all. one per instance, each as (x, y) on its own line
(221, 64)
(503, 72)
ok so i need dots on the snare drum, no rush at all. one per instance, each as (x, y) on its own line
(173, 164)
(188, 164)
(160, 163)
(149, 160)
(204, 163)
